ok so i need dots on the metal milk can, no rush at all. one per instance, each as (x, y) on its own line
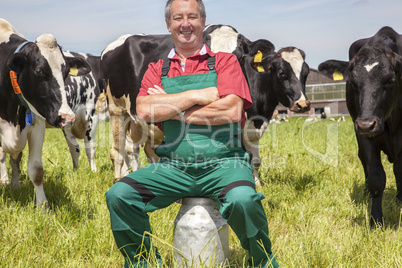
(201, 235)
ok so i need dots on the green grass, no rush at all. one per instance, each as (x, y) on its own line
(312, 179)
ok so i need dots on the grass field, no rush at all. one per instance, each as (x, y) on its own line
(312, 179)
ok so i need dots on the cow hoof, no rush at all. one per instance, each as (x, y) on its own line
(257, 183)
(44, 206)
(376, 223)
(399, 197)
(5, 182)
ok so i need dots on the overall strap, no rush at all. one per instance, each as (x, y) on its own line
(166, 65)
(211, 63)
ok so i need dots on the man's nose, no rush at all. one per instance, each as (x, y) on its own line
(185, 22)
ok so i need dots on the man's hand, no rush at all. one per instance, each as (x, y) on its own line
(202, 97)
(206, 96)
(156, 90)
(159, 106)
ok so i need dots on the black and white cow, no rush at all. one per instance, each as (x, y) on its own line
(374, 100)
(273, 77)
(82, 95)
(39, 87)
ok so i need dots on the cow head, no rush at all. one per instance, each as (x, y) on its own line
(42, 68)
(277, 77)
(288, 72)
(272, 77)
(373, 83)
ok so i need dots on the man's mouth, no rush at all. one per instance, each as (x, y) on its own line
(188, 32)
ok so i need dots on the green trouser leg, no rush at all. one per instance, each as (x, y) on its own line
(229, 184)
(131, 242)
(244, 213)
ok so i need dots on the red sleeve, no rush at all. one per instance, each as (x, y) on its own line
(231, 79)
(151, 77)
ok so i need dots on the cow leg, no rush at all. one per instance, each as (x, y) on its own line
(73, 146)
(132, 153)
(36, 137)
(117, 151)
(12, 143)
(155, 137)
(89, 140)
(375, 177)
(15, 170)
(253, 148)
(398, 177)
(4, 179)
(251, 140)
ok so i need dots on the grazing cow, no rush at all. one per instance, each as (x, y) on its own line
(273, 77)
(374, 100)
(34, 94)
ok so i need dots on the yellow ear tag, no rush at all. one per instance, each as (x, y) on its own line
(258, 57)
(257, 61)
(337, 76)
(73, 71)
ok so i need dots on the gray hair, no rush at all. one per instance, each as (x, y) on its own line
(169, 3)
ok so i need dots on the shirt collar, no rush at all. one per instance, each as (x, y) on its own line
(204, 50)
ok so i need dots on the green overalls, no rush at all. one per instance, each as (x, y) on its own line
(196, 160)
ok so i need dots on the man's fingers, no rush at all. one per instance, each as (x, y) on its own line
(156, 90)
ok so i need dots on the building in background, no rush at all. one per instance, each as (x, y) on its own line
(327, 97)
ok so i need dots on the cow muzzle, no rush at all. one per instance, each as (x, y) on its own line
(300, 106)
(369, 127)
(67, 119)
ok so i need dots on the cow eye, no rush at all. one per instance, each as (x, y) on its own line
(353, 86)
(39, 72)
(282, 74)
(390, 82)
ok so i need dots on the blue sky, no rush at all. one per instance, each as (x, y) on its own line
(324, 29)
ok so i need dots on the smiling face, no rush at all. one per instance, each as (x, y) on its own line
(186, 26)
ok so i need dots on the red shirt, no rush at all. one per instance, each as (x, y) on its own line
(230, 75)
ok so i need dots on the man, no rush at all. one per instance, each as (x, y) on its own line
(198, 98)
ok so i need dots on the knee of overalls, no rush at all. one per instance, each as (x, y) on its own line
(243, 196)
(121, 195)
(244, 212)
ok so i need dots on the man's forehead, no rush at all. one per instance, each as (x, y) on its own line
(181, 13)
(179, 5)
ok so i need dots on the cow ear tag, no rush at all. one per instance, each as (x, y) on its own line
(73, 71)
(257, 62)
(337, 76)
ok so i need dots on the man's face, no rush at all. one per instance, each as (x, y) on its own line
(186, 24)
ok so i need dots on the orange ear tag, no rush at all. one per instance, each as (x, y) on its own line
(14, 83)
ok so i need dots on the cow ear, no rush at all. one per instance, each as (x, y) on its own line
(78, 66)
(334, 69)
(262, 45)
(17, 62)
(396, 61)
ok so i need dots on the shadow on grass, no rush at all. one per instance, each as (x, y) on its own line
(390, 204)
(57, 193)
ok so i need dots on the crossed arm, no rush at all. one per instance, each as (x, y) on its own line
(202, 106)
